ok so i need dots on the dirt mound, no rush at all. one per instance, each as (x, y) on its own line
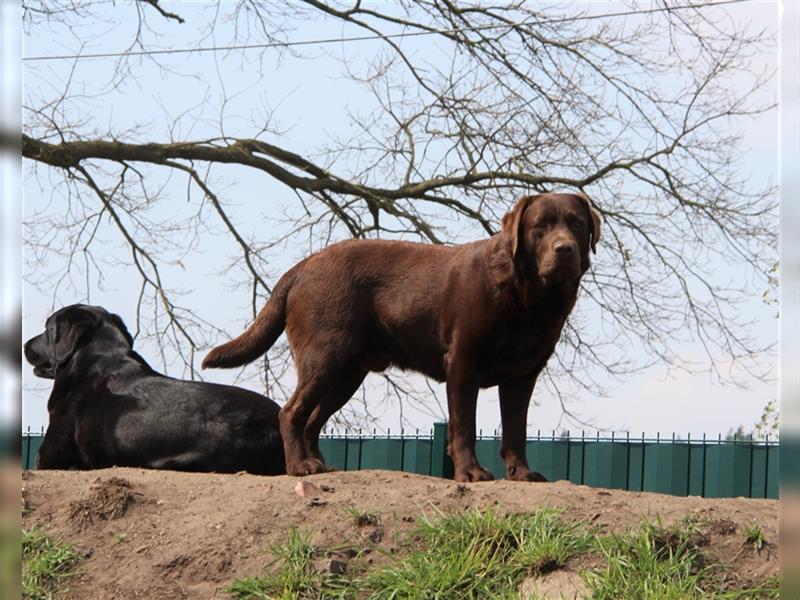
(163, 534)
(108, 499)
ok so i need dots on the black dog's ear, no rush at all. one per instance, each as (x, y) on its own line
(120, 324)
(68, 334)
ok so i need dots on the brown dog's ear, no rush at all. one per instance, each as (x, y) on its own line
(512, 222)
(595, 216)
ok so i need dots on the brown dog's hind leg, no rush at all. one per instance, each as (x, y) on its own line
(344, 388)
(313, 383)
(515, 396)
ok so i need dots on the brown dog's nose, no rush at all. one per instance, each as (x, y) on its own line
(564, 248)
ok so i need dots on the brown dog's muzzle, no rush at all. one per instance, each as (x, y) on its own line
(560, 260)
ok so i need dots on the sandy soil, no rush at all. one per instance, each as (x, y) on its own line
(163, 534)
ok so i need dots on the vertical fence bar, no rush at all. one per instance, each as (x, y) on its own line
(750, 486)
(703, 472)
(628, 460)
(441, 463)
(28, 450)
(688, 462)
(583, 454)
(569, 445)
(641, 484)
(346, 448)
(402, 450)
(360, 442)
(766, 466)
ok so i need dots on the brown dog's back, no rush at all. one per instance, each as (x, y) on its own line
(387, 296)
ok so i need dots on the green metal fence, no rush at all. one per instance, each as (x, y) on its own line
(710, 467)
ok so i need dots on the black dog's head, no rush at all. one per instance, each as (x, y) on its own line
(69, 329)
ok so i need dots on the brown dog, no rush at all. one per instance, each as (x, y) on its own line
(477, 315)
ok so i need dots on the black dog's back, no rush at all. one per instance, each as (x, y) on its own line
(190, 426)
(109, 408)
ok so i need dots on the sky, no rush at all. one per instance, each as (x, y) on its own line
(649, 402)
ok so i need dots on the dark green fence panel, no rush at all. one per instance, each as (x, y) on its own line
(727, 471)
(417, 455)
(758, 472)
(353, 456)
(488, 451)
(335, 451)
(773, 471)
(713, 468)
(441, 463)
(31, 442)
(697, 469)
(665, 468)
(636, 462)
(382, 453)
(606, 465)
(577, 461)
(550, 458)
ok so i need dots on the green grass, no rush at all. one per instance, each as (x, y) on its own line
(10, 559)
(471, 555)
(47, 562)
(363, 519)
(488, 555)
(295, 578)
(656, 563)
(754, 537)
(648, 565)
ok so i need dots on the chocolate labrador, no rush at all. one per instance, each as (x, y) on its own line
(109, 408)
(475, 316)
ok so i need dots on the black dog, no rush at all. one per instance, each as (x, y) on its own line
(109, 408)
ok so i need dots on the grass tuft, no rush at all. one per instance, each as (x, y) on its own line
(363, 519)
(648, 565)
(294, 578)
(754, 537)
(46, 563)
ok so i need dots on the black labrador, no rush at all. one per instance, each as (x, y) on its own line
(109, 408)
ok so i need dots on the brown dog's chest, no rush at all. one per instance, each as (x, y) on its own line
(515, 355)
(522, 345)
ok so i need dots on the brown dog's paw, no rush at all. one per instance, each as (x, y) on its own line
(309, 466)
(474, 473)
(526, 475)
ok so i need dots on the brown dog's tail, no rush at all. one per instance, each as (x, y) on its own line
(259, 337)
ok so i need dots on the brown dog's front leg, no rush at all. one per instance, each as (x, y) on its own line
(462, 400)
(515, 396)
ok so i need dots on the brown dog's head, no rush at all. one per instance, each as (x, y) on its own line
(551, 235)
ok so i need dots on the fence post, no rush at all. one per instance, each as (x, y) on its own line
(28, 450)
(628, 460)
(568, 454)
(750, 486)
(583, 454)
(441, 463)
(360, 443)
(766, 467)
(346, 448)
(703, 470)
(688, 462)
(641, 483)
